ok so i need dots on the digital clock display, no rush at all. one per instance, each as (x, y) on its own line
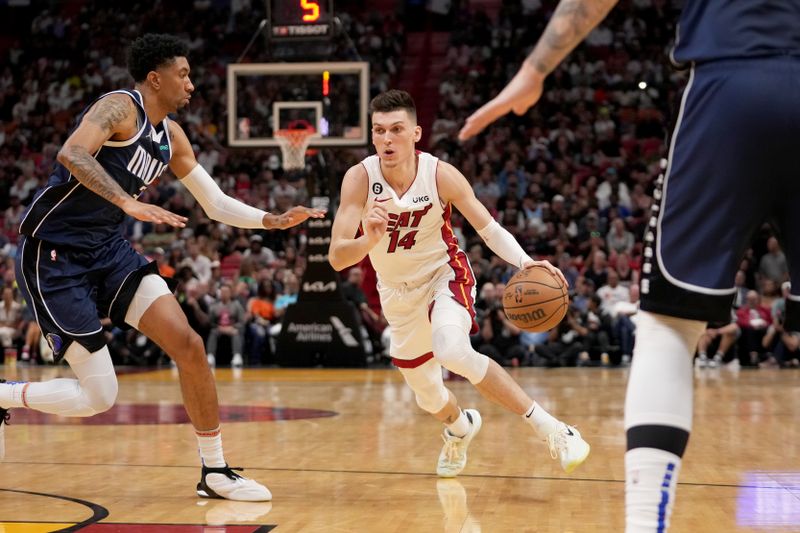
(301, 18)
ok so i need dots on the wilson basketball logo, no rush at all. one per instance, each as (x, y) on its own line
(534, 315)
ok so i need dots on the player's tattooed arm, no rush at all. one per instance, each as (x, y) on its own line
(109, 113)
(570, 24)
(112, 115)
(104, 119)
(93, 176)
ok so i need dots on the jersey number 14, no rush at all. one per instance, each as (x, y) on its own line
(408, 240)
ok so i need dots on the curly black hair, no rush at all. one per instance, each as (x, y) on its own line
(151, 51)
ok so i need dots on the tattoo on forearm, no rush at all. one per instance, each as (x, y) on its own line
(92, 175)
(571, 22)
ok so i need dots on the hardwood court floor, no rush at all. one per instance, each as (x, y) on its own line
(349, 451)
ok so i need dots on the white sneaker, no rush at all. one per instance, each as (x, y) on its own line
(212, 361)
(226, 484)
(237, 361)
(567, 445)
(453, 457)
(715, 362)
(701, 361)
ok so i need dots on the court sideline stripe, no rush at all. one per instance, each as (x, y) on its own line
(388, 473)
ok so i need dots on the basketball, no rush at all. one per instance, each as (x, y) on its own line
(535, 300)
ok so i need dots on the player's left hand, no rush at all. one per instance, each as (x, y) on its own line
(549, 266)
(295, 216)
(523, 91)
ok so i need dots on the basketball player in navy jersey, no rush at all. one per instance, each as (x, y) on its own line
(731, 166)
(73, 264)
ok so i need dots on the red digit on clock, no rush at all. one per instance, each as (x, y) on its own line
(313, 7)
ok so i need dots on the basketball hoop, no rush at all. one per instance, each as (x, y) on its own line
(294, 143)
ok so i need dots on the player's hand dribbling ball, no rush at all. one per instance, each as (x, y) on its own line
(535, 299)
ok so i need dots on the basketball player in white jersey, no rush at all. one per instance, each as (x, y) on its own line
(401, 201)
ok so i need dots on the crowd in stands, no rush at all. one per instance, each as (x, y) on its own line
(573, 180)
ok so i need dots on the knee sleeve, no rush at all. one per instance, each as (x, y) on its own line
(452, 349)
(426, 382)
(150, 288)
(661, 378)
(450, 323)
(97, 382)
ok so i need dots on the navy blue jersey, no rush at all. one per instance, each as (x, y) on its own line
(67, 213)
(722, 29)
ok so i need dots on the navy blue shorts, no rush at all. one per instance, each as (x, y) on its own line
(733, 165)
(70, 289)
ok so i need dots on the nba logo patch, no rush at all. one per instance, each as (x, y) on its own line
(52, 255)
(54, 340)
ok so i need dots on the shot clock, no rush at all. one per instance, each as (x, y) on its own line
(300, 18)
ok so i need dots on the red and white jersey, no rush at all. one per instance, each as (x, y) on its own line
(419, 239)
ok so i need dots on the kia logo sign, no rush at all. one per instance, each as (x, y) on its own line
(319, 286)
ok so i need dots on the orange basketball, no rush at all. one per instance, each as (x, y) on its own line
(535, 300)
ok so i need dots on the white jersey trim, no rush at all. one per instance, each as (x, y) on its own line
(145, 122)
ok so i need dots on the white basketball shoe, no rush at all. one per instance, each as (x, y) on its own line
(453, 457)
(226, 484)
(567, 445)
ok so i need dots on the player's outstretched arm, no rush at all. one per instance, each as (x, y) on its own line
(346, 249)
(454, 188)
(218, 205)
(570, 24)
(111, 115)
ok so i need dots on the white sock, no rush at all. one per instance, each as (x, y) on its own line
(209, 444)
(543, 422)
(651, 476)
(11, 394)
(460, 427)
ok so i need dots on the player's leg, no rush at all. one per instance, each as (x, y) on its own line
(155, 312)
(695, 240)
(450, 325)
(93, 392)
(411, 351)
(424, 376)
(68, 316)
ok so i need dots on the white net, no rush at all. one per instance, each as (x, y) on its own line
(294, 144)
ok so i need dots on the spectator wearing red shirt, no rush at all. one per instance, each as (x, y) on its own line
(753, 319)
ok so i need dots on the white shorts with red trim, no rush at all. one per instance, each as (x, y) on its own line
(407, 309)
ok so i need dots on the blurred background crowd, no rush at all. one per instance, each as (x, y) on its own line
(573, 180)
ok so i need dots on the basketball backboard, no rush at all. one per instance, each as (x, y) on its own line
(331, 97)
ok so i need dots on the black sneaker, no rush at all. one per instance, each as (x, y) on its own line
(4, 416)
(228, 485)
